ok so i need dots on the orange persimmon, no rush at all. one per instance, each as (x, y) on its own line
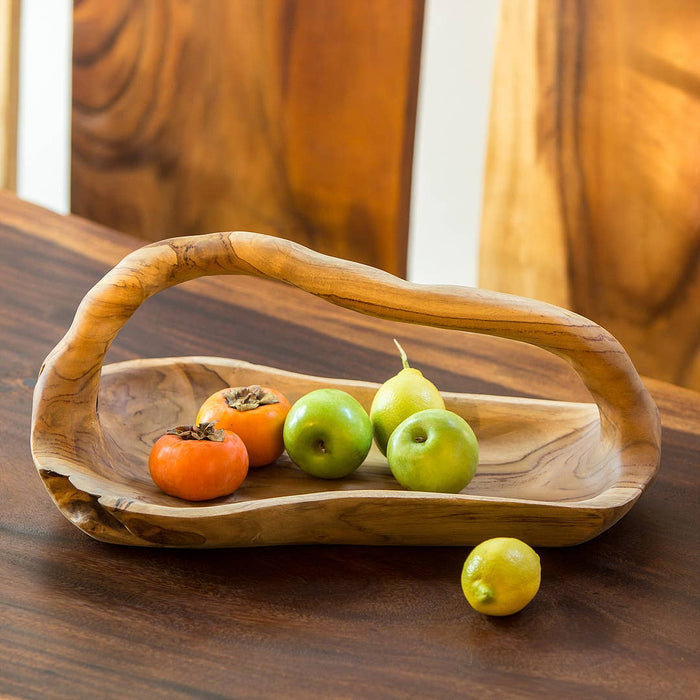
(255, 413)
(198, 463)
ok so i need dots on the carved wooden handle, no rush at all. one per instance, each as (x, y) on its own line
(629, 418)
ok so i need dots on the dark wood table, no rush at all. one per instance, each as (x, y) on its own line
(615, 617)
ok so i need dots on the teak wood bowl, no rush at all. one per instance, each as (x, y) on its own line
(551, 473)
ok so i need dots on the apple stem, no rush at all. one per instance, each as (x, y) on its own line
(402, 352)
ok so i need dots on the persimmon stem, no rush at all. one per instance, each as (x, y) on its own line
(247, 398)
(203, 431)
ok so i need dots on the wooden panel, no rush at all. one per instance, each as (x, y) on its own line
(290, 117)
(593, 170)
(9, 76)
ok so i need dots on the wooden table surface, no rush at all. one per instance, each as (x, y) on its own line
(615, 617)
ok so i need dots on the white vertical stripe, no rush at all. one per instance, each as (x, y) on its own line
(450, 146)
(43, 140)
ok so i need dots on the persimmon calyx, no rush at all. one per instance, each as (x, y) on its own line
(203, 431)
(246, 398)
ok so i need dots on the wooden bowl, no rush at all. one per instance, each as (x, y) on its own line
(551, 473)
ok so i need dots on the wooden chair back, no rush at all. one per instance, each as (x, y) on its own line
(592, 185)
(278, 116)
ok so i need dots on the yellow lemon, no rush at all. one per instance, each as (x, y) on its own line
(501, 576)
(400, 397)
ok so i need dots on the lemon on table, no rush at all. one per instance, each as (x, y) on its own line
(501, 576)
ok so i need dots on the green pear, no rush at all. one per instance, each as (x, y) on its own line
(400, 397)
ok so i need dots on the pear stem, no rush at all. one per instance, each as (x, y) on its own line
(402, 352)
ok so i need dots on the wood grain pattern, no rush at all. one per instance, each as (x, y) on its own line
(289, 117)
(9, 82)
(593, 170)
(560, 482)
(81, 618)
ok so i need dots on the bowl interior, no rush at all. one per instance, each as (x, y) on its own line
(529, 450)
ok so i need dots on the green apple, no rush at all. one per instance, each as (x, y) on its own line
(327, 433)
(433, 450)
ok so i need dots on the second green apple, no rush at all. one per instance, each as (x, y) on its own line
(433, 450)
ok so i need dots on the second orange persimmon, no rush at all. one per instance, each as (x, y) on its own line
(255, 413)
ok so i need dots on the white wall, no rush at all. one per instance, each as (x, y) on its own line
(43, 138)
(453, 99)
(458, 39)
